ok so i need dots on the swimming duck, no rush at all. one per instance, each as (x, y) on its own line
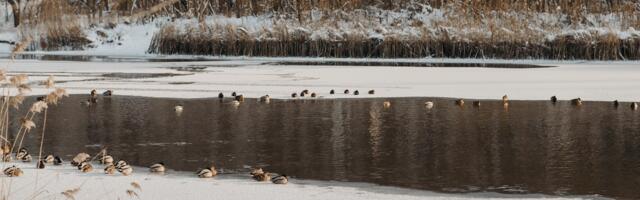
(13, 171)
(616, 104)
(220, 95)
(233, 94)
(262, 177)
(634, 106)
(554, 99)
(294, 95)
(302, 94)
(356, 92)
(346, 91)
(386, 104)
(121, 163)
(86, 167)
(428, 104)
(125, 170)
(282, 179)
(314, 95)
(265, 98)
(240, 98)
(460, 102)
(57, 161)
(107, 93)
(157, 168)
(256, 171)
(372, 92)
(22, 153)
(207, 172)
(110, 169)
(305, 91)
(576, 102)
(332, 92)
(40, 164)
(476, 104)
(81, 157)
(106, 159)
(49, 159)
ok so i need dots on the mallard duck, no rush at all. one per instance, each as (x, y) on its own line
(554, 99)
(294, 95)
(107, 93)
(110, 169)
(386, 104)
(207, 172)
(22, 153)
(460, 102)
(157, 168)
(356, 92)
(125, 170)
(428, 104)
(302, 94)
(57, 161)
(262, 177)
(332, 92)
(265, 98)
(346, 91)
(372, 92)
(106, 159)
(121, 163)
(634, 106)
(576, 102)
(81, 157)
(13, 171)
(240, 98)
(86, 167)
(49, 159)
(282, 179)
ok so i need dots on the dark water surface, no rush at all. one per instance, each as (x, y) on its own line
(533, 147)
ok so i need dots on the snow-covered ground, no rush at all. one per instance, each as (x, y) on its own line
(49, 183)
(603, 81)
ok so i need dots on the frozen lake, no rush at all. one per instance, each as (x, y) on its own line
(531, 147)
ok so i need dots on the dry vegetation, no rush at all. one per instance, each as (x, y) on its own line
(551, 29)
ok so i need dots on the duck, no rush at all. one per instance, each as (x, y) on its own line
(207, 172)
(26, 158)
(314, 95)
(107, 93)
(476, 104)
(86, 167)
(157, 168)
(22, 153)
(634, 106)
(386, 104)
(282, 179)
(428, 104)
(356, 92)
(346, 91)
(332, 92)
(106, 159)
(576, 102)
(616, 104)
(240, 98)
(125, 170)
(265, 98)
(220, 95)
(57, 161)
(40, 164)
(81, 157)
(262, 177)
(302, 94)
(305, 91)
(233, 94)
(121, 163)
(505, 99)
(372, 92)
(294, 95)
(110, 169)
(13, 171)
(554, 99)
(460, 102)
(256, 171)
(49, 159)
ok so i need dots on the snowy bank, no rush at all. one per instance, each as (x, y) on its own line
(49, 183)
(252, 77)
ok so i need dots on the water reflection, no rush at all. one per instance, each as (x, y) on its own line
(530, 147)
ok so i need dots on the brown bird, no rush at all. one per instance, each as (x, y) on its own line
(576, 102)
(460, 102)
